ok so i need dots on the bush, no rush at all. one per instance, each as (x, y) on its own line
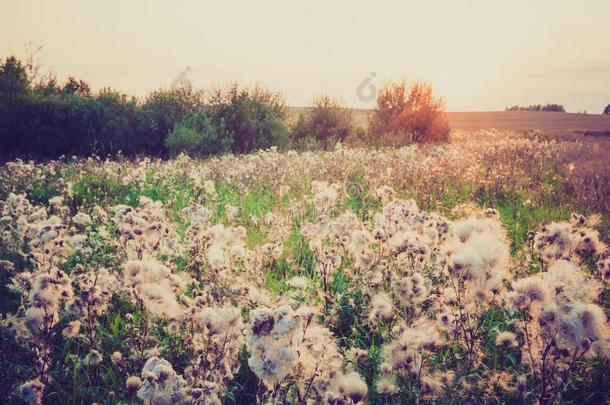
(183, 139)
(110, 121)
(164, 109)
(254, 117)
(325, 124)
(607, 110)
(197, 135)
(404, 116)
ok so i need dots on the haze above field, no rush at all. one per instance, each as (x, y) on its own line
(478, 55)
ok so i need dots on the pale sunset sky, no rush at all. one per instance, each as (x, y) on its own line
(478, 55)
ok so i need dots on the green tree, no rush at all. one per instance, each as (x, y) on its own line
(111, 123)
(325, 124)
(198, 135)
(14, 96)
(13, 78)
(254, 117)
(78, 87)
(163, 110)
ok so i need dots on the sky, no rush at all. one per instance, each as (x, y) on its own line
(478, 55)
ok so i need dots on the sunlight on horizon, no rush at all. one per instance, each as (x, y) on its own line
(477, 55)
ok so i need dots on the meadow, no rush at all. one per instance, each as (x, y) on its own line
(469, 272)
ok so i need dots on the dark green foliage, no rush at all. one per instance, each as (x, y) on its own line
(48, 119)
(10, 299)
(348, 309)
(197, 135)
(243, 388)
(163, 110)
(108, 124)
(14, 80)
(16, 365)
(325, 124)
(253, 116)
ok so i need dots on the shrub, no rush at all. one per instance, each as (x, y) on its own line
(164, 109)
(197, 134)
(183, 139)
(325, 124)
(408, 115)
(253, 116)
(110, 121)
(607, 110)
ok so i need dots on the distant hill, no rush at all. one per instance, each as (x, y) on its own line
(509, 120)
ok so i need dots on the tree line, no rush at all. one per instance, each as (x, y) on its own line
(46, 119)
(538, 107)
(549, 107)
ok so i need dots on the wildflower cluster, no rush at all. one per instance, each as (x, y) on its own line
(342, 277)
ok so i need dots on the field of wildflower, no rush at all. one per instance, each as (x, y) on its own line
(472, 272)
